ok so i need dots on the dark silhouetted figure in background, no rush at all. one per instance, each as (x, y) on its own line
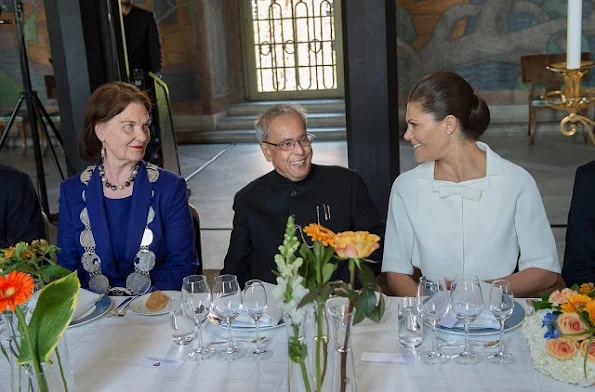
(142, 42)
(20, 211)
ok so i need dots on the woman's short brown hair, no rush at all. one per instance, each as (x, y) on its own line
(107, 101)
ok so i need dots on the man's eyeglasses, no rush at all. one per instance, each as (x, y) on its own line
(288, 145)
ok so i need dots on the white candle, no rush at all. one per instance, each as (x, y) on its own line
(573, 35)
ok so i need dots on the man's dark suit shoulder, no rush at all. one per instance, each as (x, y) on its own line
(10, 174)
(264, 184)
(587, 169)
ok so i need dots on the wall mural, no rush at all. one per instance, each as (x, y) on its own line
(177, 37)
(482, 40)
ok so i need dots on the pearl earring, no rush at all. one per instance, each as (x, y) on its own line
(102, 152)
(449, 132)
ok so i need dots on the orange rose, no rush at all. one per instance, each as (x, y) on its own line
(561, 348)
(356, 245)
(583, 347)
(571, 324)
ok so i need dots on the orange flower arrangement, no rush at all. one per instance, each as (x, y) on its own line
(575, 302)
(15, 289)
(587, 288)
(320, 233)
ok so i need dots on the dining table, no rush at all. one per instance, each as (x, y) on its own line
(111, 354)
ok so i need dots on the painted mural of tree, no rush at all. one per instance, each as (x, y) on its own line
(490, 40)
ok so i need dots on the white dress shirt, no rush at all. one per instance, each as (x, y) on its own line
(474, 227)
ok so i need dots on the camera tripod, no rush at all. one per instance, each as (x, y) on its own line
(35, 111)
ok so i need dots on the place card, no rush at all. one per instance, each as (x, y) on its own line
(159, 363)
(404, 359)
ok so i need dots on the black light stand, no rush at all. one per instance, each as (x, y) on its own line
(36, 113)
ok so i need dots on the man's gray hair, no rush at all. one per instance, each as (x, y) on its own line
(264, 120)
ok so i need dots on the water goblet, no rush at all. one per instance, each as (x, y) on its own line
(227, 302)
(255, 304)
(433, 303)
(196, 302)
(501, 306)
(466, 302)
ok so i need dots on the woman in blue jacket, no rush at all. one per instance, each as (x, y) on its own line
(125, 224)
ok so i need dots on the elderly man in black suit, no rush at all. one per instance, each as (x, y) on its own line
(20, 211)
(335, 197)
(579, 256)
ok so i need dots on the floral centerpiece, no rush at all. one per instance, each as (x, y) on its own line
(561, 334)
(37, 259)
(303, 281)
(37, 339)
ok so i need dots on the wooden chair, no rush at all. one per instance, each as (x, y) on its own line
(19, 123)
(196, 221)
(533, 71)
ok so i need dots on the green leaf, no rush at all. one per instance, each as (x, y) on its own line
(52, 271)
(366, 275)
(310, 297)
(4, 352)
(52, 315)
(545, 298)
(358, 317)
(325, 292)
(538, 305)
(574, 287)
(327, 271)
(366, 302)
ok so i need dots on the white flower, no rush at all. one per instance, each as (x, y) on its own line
(570, 371)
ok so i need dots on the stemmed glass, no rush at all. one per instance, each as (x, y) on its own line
(227, 302)
(432, 309)
(255, 303)
(196, 302)
(466, 302)
(501, 306)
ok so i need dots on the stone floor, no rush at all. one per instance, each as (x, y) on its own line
(552, 161)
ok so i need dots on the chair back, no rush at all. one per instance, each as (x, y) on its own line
(196, 221)
(533, 68)
(46, 224)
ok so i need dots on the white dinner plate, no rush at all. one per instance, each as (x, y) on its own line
(513, 322)
(102, 306)
(220, 323)
(139, 304)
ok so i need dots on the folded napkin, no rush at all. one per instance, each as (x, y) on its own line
(87, 299)
(485, 320)
(271, 318)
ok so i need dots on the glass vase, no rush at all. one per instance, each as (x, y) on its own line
(56, 376)
(344, 379)
(309, 349)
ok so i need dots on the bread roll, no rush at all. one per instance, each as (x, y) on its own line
(157, 300)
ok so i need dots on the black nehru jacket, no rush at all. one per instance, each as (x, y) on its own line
(142, 40)
(579, 256)
(263, 206)
(20, 211)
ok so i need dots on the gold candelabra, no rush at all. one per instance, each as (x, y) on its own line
(574, 98)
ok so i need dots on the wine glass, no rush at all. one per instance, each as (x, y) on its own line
(432, 309)
(255, 303)
(227, 302)
(466, 302)
(196, 302)
(501, 306)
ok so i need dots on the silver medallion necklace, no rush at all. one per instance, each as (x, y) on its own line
(137, 282)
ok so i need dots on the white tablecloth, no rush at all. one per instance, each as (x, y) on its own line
(103, 353)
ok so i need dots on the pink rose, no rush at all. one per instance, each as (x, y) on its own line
(571, 324)
(583, 348)
(559, 297)
(561, 348)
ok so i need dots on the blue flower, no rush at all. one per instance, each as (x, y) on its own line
(549, 321)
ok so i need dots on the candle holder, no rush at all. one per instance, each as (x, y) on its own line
(574, 98)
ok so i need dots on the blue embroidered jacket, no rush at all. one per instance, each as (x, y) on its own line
(173, 229)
